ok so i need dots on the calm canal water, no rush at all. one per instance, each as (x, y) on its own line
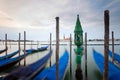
(93, 71)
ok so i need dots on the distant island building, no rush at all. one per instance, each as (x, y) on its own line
(66, 39)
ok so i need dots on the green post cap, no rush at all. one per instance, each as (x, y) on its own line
(78, 27)
(78, 33)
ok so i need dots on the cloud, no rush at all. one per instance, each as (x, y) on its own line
(40, 14)
(112, 3)
(7, 21)
(37, 13)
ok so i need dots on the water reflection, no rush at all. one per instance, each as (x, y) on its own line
(78, 71)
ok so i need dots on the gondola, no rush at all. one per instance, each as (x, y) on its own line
(43, 48)
(50, 73)
(116, 56)
(9, 55)
(1, 51)
(39, 49)
(113, 71)
(7, 63)
(23, 73)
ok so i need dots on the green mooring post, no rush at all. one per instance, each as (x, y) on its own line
(78, 40)
(78, 36)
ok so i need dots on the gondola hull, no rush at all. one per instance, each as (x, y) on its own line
(26, 73)
(113, 71)
(7, 63)
(9, 55)
(50, 73)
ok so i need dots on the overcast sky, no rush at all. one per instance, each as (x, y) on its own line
(37, 17)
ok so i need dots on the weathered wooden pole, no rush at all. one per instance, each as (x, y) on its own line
(24, 48)
(112, 46)
(6, 43)
(50, 46)
(3, 42)
(19, 46)
(31, 44)
(37, 44)
(70, 57)
(106, 44)
(10, 43)
(57, 48)
(86, 78)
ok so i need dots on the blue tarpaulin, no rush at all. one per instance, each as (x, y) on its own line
(113, 71)
(116, 56)
(23, 73)
(10, 60)
(50, 74)
(9, 55)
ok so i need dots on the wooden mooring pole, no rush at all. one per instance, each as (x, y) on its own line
(6, 43)
(31, 44)
(57, 48)
(24, 48)
(86, 78)
(112, 46)
(70, 57)
(3, 42)
(106, 44)
(37, 44)
(19, 46)
(50, 46)
(10, 43)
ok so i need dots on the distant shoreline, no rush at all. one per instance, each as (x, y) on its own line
(90, 40)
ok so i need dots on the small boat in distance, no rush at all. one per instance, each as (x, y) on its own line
(43, 48)
(9, 55)
(113, 71)
(50, 73)
(39, 49)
